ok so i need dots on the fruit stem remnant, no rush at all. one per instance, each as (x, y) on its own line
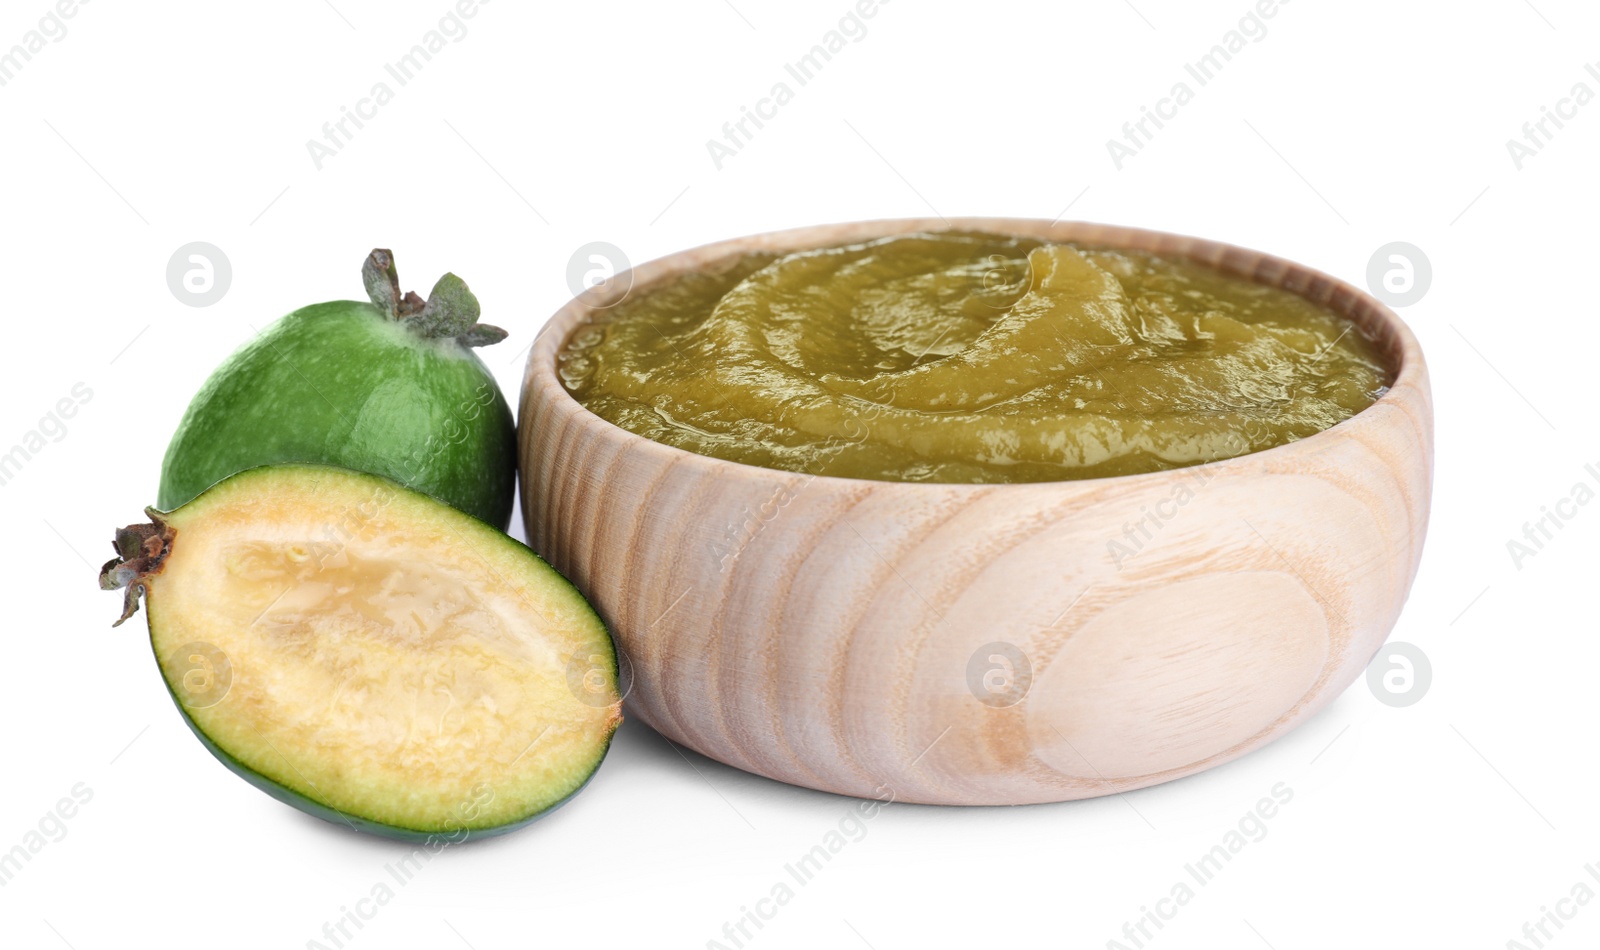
(451, 311)
(141, 552)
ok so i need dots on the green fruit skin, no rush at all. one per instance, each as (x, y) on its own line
(341, 384)
(318, 810)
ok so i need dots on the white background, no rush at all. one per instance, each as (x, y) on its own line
(1449, 823)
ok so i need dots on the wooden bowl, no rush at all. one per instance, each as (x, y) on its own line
(981, 644)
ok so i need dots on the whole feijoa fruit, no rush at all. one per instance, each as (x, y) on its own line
(370, 655)
(390, 387)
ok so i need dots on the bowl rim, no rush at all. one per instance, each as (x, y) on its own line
(1397, 344)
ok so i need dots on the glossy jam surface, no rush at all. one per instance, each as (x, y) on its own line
(961, 357)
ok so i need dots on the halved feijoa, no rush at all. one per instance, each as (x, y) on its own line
(371, 655)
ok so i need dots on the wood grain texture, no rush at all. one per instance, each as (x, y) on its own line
(845, 645)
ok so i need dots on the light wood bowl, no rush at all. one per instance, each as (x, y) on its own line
(977, 644)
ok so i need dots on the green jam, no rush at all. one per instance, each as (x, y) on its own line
(963, 357)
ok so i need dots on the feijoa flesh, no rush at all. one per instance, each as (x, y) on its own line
(371, 655)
